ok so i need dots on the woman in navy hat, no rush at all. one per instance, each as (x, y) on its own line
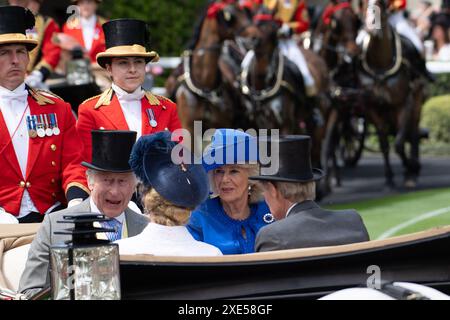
(174, 188)
(235, 212)
(126, 105)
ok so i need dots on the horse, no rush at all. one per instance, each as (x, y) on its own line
(346, 129)
(201, 92)
(394, 93)
(272, 88)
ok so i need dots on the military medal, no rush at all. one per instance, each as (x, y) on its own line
(40, 127)
(31, 130)
(54, 120)
(151, 117)
(48, 130)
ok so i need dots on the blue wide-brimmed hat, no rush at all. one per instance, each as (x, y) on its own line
(229, 146)
(184, 184)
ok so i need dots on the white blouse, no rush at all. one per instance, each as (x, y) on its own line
(161, 240)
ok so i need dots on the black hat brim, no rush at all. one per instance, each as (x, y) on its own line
(93, 167)
(317, 175)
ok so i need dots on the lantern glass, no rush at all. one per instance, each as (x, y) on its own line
(78, 72)
(94, 274)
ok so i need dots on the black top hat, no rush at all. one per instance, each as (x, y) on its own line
(157, 163)
(111, 150)
(14, 22)
(125, 38)
(294, 161)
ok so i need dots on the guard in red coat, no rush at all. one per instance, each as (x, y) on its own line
(125, 106)
(87, 30)
(45, 57)
(40, 154)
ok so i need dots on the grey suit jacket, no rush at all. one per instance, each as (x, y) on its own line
(308, 225)
(36, 275)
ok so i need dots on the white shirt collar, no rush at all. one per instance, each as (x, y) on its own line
(137, 95)
(20, 90)
(290, 209)
(89, 22)
(94, 209)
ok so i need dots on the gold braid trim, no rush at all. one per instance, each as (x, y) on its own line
(79, 185)
(105, 98)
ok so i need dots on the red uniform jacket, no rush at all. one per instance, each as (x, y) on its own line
(47, 53)
(98, 44)
(104, 112)
(53, 162)
(301, 17)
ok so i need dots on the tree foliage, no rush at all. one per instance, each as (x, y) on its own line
(170, 22)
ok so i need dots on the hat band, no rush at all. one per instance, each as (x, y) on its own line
(134, 49)
(16, 37)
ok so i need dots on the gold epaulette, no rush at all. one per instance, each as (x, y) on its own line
(105, 98)
(101, 20)
(40, 96)
(91, 98)
(152, 99)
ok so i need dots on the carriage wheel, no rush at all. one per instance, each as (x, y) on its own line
(351, 143)
(328, 152)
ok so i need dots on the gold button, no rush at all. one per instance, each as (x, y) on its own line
(22, 184)
(28, 184)
(53, 147)
(53, 181)
(54, 163)
(54, 195)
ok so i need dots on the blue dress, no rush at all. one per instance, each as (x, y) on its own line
(209, 223)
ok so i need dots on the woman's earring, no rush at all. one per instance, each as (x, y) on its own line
(249, 190)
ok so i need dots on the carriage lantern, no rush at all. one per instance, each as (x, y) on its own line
(85, 268)
(78, 69)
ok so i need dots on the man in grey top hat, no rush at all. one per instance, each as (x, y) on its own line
(290, 194)
(112, 183)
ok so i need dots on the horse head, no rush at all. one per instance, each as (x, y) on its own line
(376, 15)
(231, 17)
(342, 26)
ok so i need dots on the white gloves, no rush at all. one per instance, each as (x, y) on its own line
(285, 30)
(7, 218)
(35, 80)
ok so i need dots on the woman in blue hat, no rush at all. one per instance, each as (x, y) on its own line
(173, 190)
(232, 216)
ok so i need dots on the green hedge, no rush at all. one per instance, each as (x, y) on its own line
(441, 86)
(170, 22)
(436, 117)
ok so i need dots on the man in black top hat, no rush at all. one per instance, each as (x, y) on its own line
(290, 194)
(112, 183)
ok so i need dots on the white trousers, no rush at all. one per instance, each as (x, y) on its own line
(290, 50)
(402, 26)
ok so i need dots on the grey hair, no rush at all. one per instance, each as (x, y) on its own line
(296, 191)
(90, 173)
(255, 192)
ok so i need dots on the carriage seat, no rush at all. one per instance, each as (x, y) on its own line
(15, 241)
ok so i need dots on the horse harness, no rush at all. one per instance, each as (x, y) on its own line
(265, 94)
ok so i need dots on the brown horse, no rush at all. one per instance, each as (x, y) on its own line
(201, 92)
(395, 95)
(345, 132)
(272, 87)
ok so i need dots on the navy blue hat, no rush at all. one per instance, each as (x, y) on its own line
(229, 146)
(183, 183)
